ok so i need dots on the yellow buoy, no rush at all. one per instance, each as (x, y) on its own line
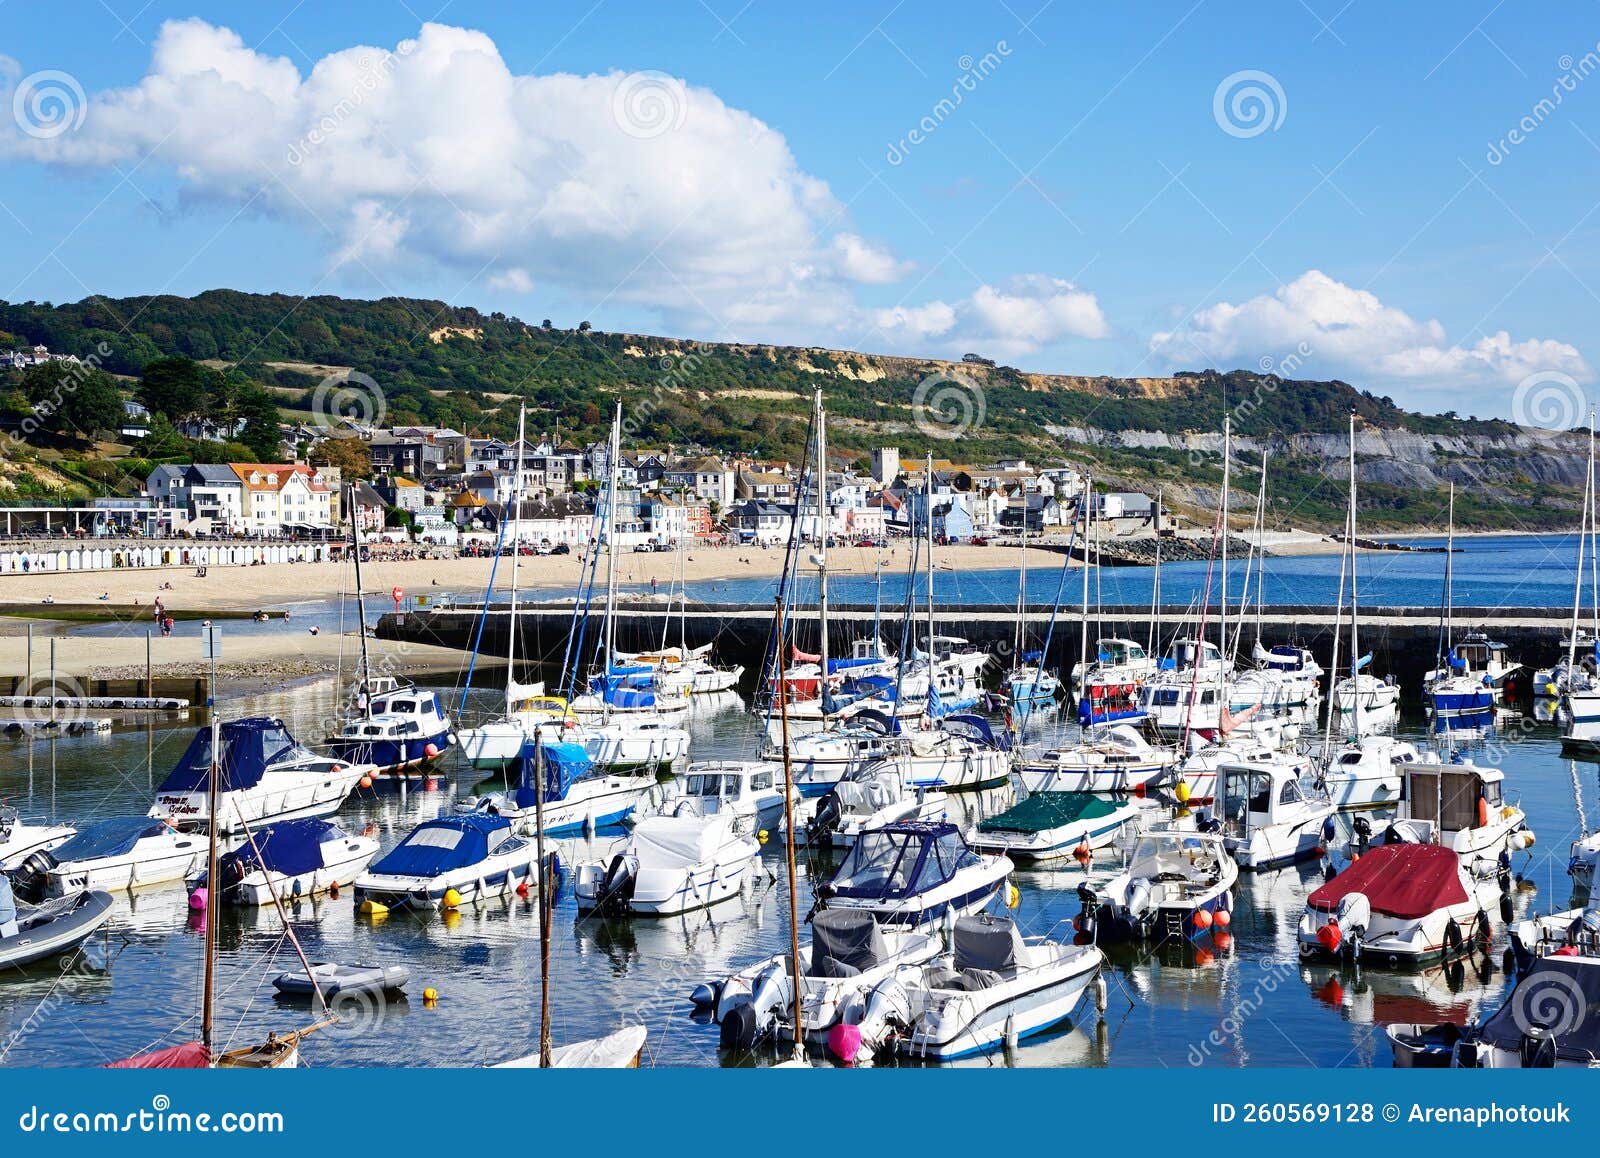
(1182, 792)
(762, 836)
(452, 899)
(374, 909)
(1013, 896)
(430, 995)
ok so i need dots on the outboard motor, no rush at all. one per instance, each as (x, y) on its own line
(230, 875)
(32, 877)
(739, 1028)
(1086, 917)
(830, 811)
(1363, 830)
(616, 890)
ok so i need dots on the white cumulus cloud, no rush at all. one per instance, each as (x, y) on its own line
(435, 155)
(1333, 328)
(1028, 313)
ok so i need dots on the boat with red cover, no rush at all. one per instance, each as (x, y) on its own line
(1399, 904)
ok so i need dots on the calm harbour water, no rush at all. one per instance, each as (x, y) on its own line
(1251, 1005)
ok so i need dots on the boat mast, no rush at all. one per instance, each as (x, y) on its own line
(1022, 589)
(546, 896)
(208, 1000)
(613, 461)
(1222, 619)
(822, 545)
(788, 840)
(516, 552)
(1083, 618)
(928, 511)
(1154, 638)
(361, 605)
(1355, 599)
(1584, 525)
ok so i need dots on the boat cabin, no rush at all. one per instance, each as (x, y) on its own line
(1450, 798)
(1478, 653)
(713, 787)
(1118, 652)
(1181, 656)
(1287, 659)
(901, 860)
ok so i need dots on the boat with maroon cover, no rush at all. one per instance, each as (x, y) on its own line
(1399, 904)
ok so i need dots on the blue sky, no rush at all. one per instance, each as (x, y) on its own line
(721, 170)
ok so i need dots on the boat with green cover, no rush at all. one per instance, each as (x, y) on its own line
(1054, 825)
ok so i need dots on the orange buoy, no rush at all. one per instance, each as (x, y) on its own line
(1223, 918)
(1483, 812)
(1203, 919)
(366, 782)
(1082, 853)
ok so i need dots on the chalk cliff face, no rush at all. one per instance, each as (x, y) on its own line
(1393, 457)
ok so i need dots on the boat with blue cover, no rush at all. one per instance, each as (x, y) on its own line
(476, 856)
(579, 796)
(267, 775)
(914, 873)
(120, 852)
(290, 859)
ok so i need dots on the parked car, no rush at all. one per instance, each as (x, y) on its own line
(561, 549)
(979, 541)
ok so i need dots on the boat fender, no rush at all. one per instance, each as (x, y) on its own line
(1452, 937)
(1481, 933)
(1139, 897)
(1330, 936)
(705, 994)
(1329, 830)
(844, 1042)
(1013, 896)
(1100, 993)
(1506, 911)
(451, 899)
(1223, 918)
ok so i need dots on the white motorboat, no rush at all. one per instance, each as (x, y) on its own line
(1188, 692)
(914, 873)
(1054, 825)
(1177, 886)
(1476, 659)
(450, 860)
(870, 797)
(672, 865)
(1119, 670)
(1272, 814)
(1367, 773)
(849, 954)
(289, 860)
(1399, 904)
(121, 852)
(1582, 863)
(266, 775)
(994, 988)
(962, 752)
(19, 838)
(1460, 806)
(716, 785)
(579, 795)
(1256, 743)
(1364, 704)
(1111, 757)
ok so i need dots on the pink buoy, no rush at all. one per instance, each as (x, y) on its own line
(198, 898)
(432, 750)
(844, 1041)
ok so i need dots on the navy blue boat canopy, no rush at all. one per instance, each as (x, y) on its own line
(973, 727)
(902, 860)
(113, 837)
(290, 847)
(248, 748)
(451, 842)
(564, 763)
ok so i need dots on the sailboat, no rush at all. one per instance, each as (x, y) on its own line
(634, 746)
(1365, 770)
(392, 725)
(1458, 696)
(1580, 696)
(681, 669)
(279, 1050)
(1029, 684)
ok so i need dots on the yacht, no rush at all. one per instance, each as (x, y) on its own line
(672, 865)
(400, 729)
(1272, 814)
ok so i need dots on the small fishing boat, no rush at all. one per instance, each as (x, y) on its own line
(1537, 936)
(400, 729)
(1119, 670)
(1111, 757)
(1400, 904)
(1272, 815)
(266, 775)
(579, 796)
(1177, 886)
(450, 860)
(995, 987)
(334, 979)
(849, 954)
(1188, 690)
(32, 932)
(716, 785)
(1367, 773)
(615, 1051)
(289, 860)
(1054, 825)
(914, 873)
(672, 865)
(1479, 659)
(19, 838)
(870, 797)
(120, 852)
(1460, 806)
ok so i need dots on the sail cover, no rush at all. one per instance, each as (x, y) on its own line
(248, 748)
(437, 846)
(1407, 881)
(191, 1055)
(1046, 810)
(289, 847)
